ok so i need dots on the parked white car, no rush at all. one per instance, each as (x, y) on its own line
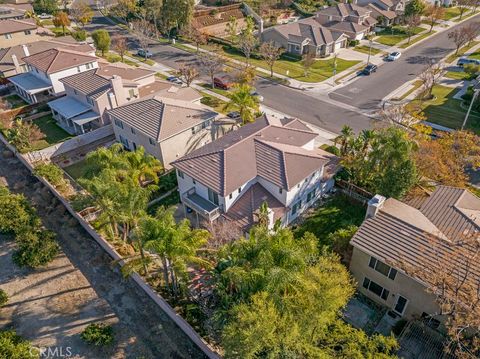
(44, 16)
(257, 95)
(394, 56)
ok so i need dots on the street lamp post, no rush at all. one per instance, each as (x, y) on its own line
(475, 94)
(334, 67)
(369, 50)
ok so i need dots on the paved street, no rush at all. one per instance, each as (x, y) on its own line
(367, 91)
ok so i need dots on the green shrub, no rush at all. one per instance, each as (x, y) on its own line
(398, 326)
(52, 173)
(353, 43)
(16, 214)
(35, 248)
(98, 334)
(210, 101)
(3, 297)
(333, 149)
(80, 35)
(13, 346)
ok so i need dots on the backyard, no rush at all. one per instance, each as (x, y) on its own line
(15, 101)
(446, 111)
(396, 34)
(53, 133)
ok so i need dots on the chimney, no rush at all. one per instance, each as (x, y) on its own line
(118, 90)
(25, 50)
(271, 222)
(18, 69)
(374, 205)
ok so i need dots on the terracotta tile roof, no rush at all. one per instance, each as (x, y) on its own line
(402, 232)
(58, 59)
(346, 26)
(66, 42)
(88, 83)
(242, 212)
(167, 90)
(161, 118)
(377, 11)
(344, 10)
(9, 26)
(267, 148)
(126, 72)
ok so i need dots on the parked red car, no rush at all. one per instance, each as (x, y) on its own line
(223, 82)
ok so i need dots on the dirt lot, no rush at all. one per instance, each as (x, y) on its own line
(51, 306)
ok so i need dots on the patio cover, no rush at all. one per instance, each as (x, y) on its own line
(85, 118)
(68, 107)
(30, 83)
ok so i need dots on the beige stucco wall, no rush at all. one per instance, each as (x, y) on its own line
(419, 300)
(19, 38)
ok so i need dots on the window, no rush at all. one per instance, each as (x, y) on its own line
(89, 100)
(376, 288)
(383, 268)
(124, 141)
(119, 124)
(133, 131)
(151, 141)
(193, 181)
(131, 93)
(27, 32)
(8, 36)
(78, 68)
(230, 195)
(296, 207)
(89, 66)
(75, 92)
(280, 190)
(180, 174)
(212, 196)
(240, 190)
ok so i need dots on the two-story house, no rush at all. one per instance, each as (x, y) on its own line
(13, 11)
(89, 94)
(11, 58)
(167, 128)
(305, 36)
(424, 235)
(353, 20)
(271, 160)
(46, 69)
(386, 12)
(17, 31)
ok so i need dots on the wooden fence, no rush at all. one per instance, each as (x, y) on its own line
(354, 191)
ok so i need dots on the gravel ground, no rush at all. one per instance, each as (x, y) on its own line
(51, 306)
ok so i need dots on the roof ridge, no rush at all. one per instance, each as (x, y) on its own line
(293, 128)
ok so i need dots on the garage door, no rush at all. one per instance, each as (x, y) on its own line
(338, 45)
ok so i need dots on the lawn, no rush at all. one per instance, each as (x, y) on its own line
(213, 102)
(339, 212)
(466, 15)
(365, 49)
(320, 71)
(15, 101)
(451, 12)
(53, 133)
(475, 55)
(217, 90)
(462, 51)
(171, 200)
(417, 39)
(457, 75)
(446, 111)
(77, 170)
(393, 36)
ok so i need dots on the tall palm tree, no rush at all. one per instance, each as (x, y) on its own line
(345, 137)
(176, 244)
(242, 99)
(367, 137)
(143, 166)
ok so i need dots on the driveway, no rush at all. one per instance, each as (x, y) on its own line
(51, 306)
(367, 92)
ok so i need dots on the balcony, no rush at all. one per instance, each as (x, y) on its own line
(200, 205)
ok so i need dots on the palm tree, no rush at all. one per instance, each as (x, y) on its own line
(143, 167)
(345, 137)
(243, 100)
(367, 137)
(104, 158)
(176, 244)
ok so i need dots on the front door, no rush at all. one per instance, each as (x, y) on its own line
(400, 305)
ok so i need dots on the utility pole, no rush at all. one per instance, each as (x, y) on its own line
(475, 94)
(369, 50)
(334, 67)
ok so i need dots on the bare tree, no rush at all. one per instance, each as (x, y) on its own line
(459, 37)
(429, 78)
(247, 44)
(119, 45)
(434, 13)
(464, 5)
(471, 31)
(144, 30)
(412, 22)
(195, 35)
(211, 63)
(308, 60)
(402, 114)
(452, 277)
(223, 232)
(188, 74)
(271, 53)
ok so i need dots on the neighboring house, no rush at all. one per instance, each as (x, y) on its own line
(46, 69)
(395, 232)
(89, 94)
(167, 129)
(11, 58)
(305, 36)
(16, 32)
(11, 12)
(271, 160)
(353, 20)
(213, 21)
(386, 12)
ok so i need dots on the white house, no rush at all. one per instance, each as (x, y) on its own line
(46, 69)
(271, 160)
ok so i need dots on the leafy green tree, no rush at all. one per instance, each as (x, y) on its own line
(242, 99)
(414, 7)
(52, 173)
(36, 248)
(177, 245)
(45, 6)
(16, 214)
(61, 20)
(12, 346)
(176, 15)
(22, 134)
(232, 29)
(101, 39)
